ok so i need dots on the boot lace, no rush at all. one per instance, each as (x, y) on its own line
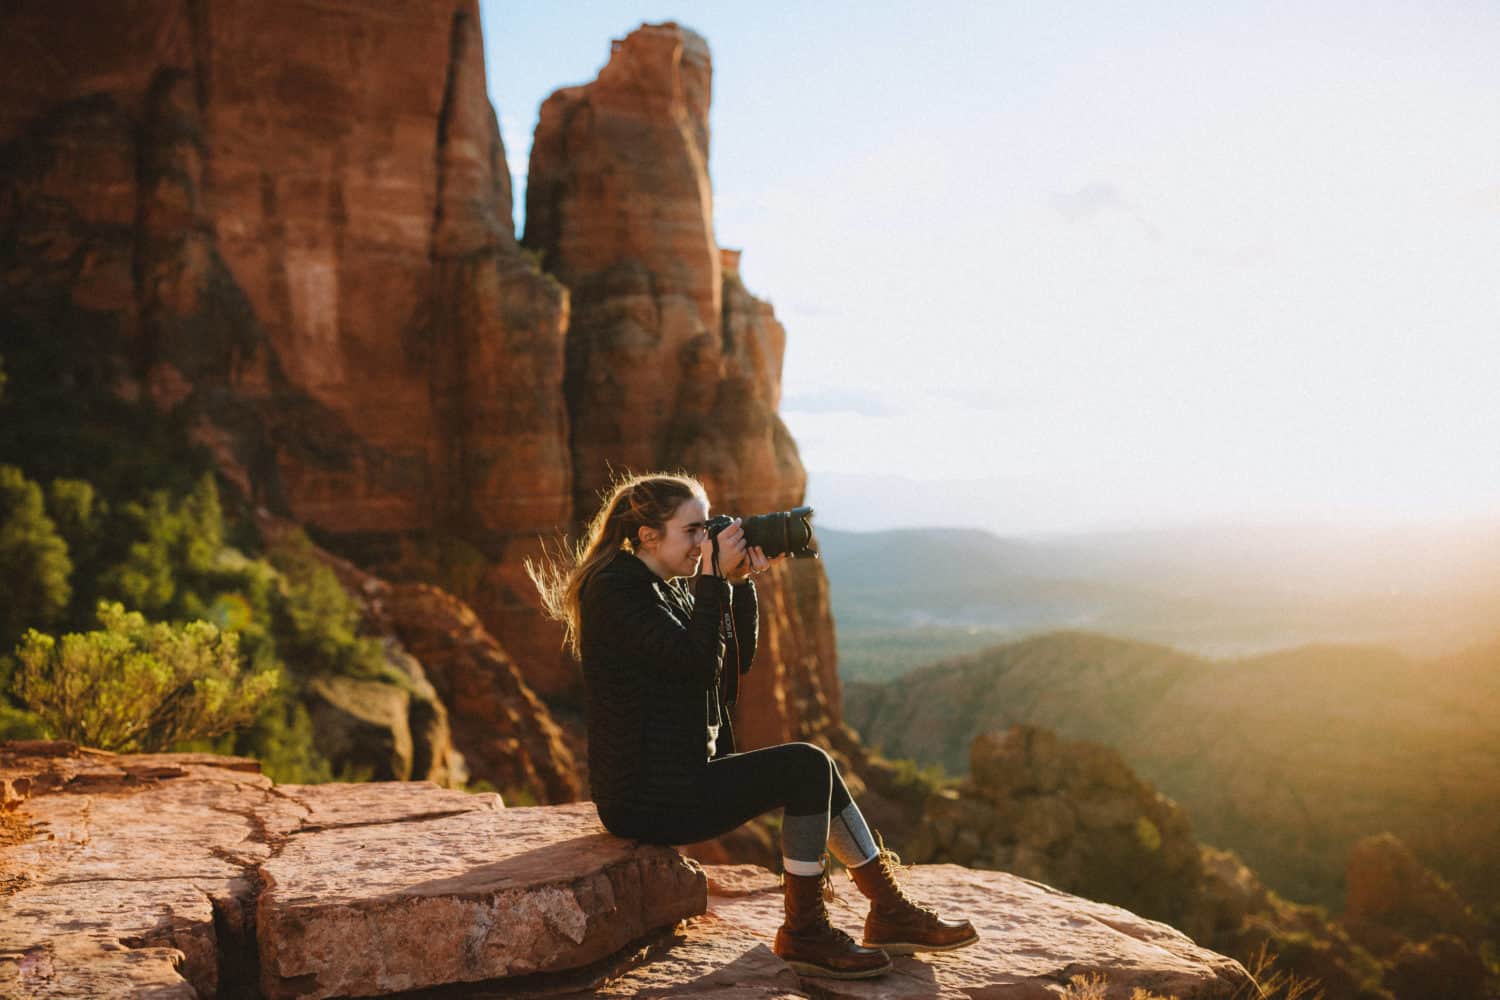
(824, 923)
(890, 864)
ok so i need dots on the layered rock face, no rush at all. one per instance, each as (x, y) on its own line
(184, 875)
(288, 226)
(504, 732)
(671, 363)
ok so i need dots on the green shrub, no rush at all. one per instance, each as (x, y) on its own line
(138, 686)
(34, 559)
(317, 621)
(925, 781)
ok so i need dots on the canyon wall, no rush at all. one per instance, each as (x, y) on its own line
(288, 227)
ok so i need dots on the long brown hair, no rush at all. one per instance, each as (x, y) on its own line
(634, 502)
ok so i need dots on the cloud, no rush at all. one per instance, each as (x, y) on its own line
(1090, 201)
(1099, 199)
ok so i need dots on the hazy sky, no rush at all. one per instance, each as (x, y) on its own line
(1061, 267)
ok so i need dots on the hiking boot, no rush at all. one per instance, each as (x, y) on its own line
(811, 945)
(897, 923)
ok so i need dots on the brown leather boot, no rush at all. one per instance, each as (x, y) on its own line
(896, 922)
(811, 944)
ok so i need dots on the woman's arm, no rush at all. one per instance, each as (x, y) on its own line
(634, 618)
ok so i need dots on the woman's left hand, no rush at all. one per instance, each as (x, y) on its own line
(758, 562)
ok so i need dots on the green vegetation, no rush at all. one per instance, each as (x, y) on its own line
(1287, 758)
(923, 781)
(876, 653)
(33, 557)
(105, 503)
(203, 646)
(134, 686)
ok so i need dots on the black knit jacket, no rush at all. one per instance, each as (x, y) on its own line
(654, 668)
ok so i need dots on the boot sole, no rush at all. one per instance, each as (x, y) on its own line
(808, 969)
(908, 948)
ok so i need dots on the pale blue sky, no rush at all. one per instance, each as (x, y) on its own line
(1062, 267)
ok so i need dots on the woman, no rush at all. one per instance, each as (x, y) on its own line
(653, 615)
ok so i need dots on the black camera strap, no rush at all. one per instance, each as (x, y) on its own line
(726, 629)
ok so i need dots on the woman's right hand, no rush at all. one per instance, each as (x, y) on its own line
(733, 553)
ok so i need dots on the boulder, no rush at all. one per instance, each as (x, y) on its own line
(1034, 942)
(176, 875)
(374, 908)
(125, 865)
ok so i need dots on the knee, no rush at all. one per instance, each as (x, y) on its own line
(812, 760)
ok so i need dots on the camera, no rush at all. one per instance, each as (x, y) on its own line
(783, 531)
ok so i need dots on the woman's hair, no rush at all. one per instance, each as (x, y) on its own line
(633, 503)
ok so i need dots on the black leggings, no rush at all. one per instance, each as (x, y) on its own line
(736, 788)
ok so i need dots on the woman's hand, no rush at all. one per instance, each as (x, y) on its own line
(732, 554)
(757, 562)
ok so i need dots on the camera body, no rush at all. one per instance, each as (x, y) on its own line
(775, 533)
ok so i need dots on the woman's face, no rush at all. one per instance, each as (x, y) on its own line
(674, 550)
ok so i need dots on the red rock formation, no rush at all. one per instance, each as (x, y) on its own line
(167, 874)
(172, 875)
(1391, 897)
(505, 733)
(297, 218)
(670, 361)
(287, 225)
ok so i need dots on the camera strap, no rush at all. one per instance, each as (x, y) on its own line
(726, 629)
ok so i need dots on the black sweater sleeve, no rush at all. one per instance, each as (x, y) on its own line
(635, 618)
(746, 622)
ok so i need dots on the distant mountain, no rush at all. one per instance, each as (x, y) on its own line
(1286, 758)
(905, 598)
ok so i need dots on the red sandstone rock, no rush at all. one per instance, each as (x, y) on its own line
(297, 217)
(142, 873)
(1034, 939)
(364, 910)
(302, 237)
(1391, 896)
(169, 873)
(504, 732)
(670, 361)
(115, 891)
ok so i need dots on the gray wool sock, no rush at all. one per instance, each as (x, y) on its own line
(849, 838)
(802, 841)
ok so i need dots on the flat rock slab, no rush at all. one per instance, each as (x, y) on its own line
(308, 808)
(126, 863)
(172, 876)
(1034, 940)
(362, 910)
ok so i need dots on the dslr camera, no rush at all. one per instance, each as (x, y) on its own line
(782, 531)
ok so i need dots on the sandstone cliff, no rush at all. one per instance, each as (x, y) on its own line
(286, 226)
(671, 362)
(186, 875)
